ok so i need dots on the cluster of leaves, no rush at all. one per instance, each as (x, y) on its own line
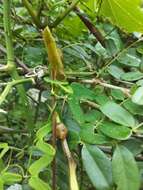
(101, 103)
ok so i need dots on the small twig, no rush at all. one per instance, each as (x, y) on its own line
(126, 91)
(91, 104)
(117, 56)
(64, 14)
(32, 13)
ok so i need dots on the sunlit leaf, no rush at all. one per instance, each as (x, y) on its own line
(125, 14)
(9, 178)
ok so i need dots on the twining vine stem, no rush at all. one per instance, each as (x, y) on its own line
(11, 67)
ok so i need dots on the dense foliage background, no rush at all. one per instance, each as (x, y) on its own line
(100, 101)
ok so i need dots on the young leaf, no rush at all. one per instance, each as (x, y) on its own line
(9, 178)
(48, 153)
(115, 131)
(97, 166)
(137, 97)
(37, 184)
(132, 76)
(5, 148)
(43, 130)
(118, 114)
(125, 171)
(45, 160)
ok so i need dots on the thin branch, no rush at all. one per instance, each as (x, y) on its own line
(91, 104)
(117, 56)
(64, 14)
(126, 91)
(90, 26)
(32, 13)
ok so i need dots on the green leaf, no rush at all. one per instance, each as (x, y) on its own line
(115, 131)
(43, 131)
(133, 108)
(125, 171)
(133, 145)
(132, 76)
(1, 184)
(101, 99)
(5, 148)
(81, 92)
(125, 14)
(48, 153)
(129, 60)
(117, 94)
(97, 166)
(63, 85)
(30, 58)
(37, 184)
(137, 97)
(116, 71)
(88, 136)
(45, 160)
(10, 178)
(118, 114)
(71, 31)
(91, 7)
(76, 109)
(101, 51)
(92, 116)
